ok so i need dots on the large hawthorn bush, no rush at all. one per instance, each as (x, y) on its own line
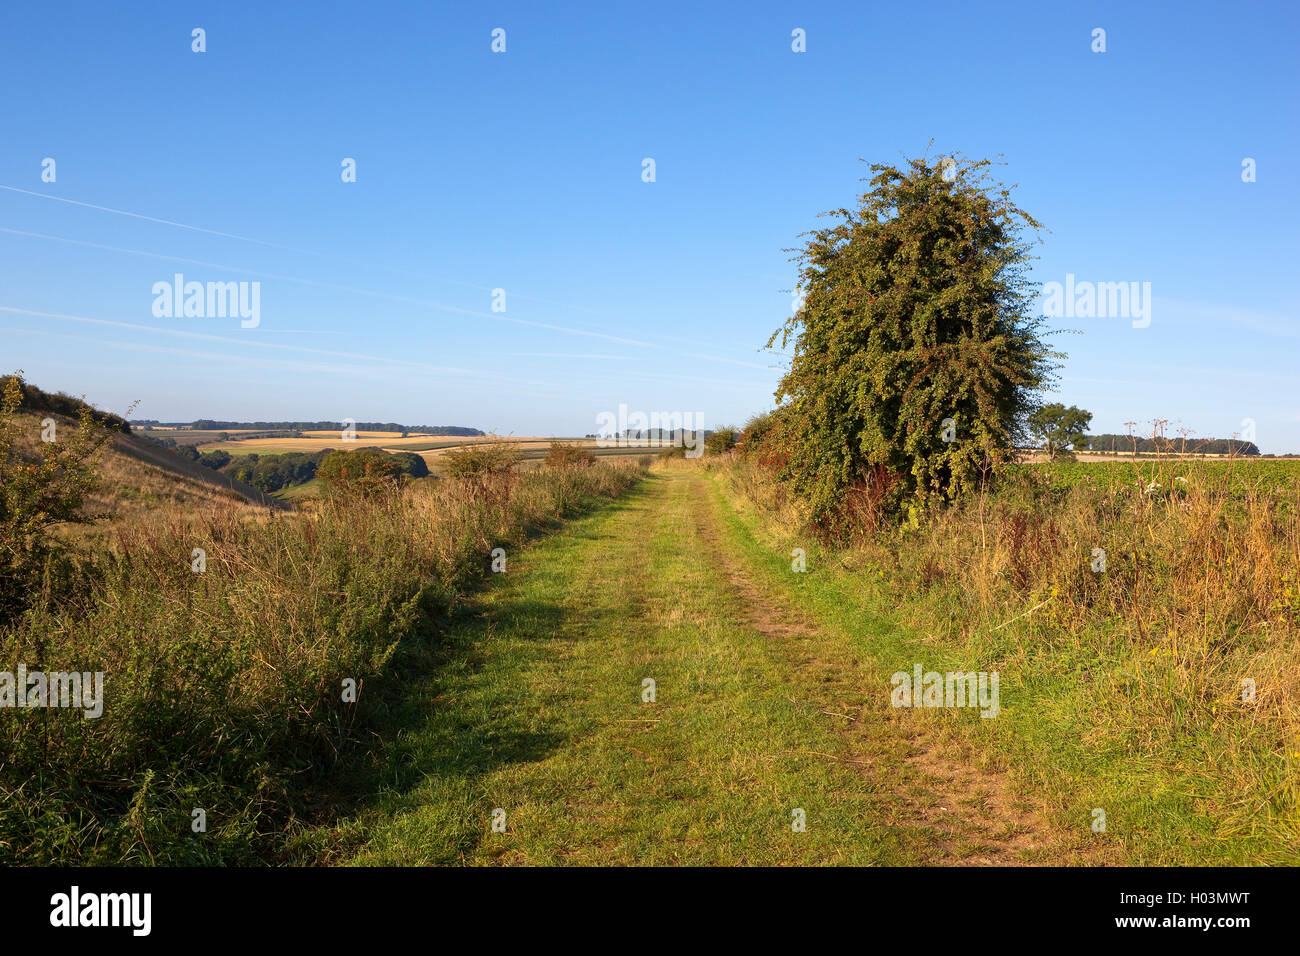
(917, 355)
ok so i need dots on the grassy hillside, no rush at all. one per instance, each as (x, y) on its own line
(137, 480)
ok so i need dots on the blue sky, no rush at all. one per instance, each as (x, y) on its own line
(522, 171)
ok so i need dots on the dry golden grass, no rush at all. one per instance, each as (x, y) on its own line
(389, 441)
(334, 433)
(307, 445)
(131, 491)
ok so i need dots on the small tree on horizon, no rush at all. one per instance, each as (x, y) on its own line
(721, 440)
(1058, 428)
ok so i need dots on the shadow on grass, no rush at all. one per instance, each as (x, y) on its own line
(430, 715)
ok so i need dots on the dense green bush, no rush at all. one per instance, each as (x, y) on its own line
(568, 455)
(916, 350)
(366, 471)
(412, 465)
(481, 459)
(274, 472)
(216, 460)
(720, 441)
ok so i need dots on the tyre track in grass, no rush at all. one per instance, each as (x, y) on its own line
(760, 714)
(975, 816)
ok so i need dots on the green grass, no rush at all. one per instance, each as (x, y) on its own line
(308, 489)
(1239, 476)
(772, 694)
(223, 690)
(1087, 719)
(538, 711)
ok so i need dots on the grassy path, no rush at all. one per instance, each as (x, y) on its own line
(538, 711)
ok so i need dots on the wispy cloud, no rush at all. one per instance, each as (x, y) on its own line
(236, 362)
(250, 342)
(575, 355)
(336, 287)
(154, 219)
(1270, 323)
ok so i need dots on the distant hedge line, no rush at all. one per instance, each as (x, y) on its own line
(208, 424)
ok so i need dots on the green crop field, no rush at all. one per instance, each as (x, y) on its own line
(1172, 475)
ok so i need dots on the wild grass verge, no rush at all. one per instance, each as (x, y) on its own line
(1146, 629)
(224, 687)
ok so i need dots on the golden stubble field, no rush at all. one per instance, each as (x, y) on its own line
(431, 448)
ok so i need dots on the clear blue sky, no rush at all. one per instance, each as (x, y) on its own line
(522, 171)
